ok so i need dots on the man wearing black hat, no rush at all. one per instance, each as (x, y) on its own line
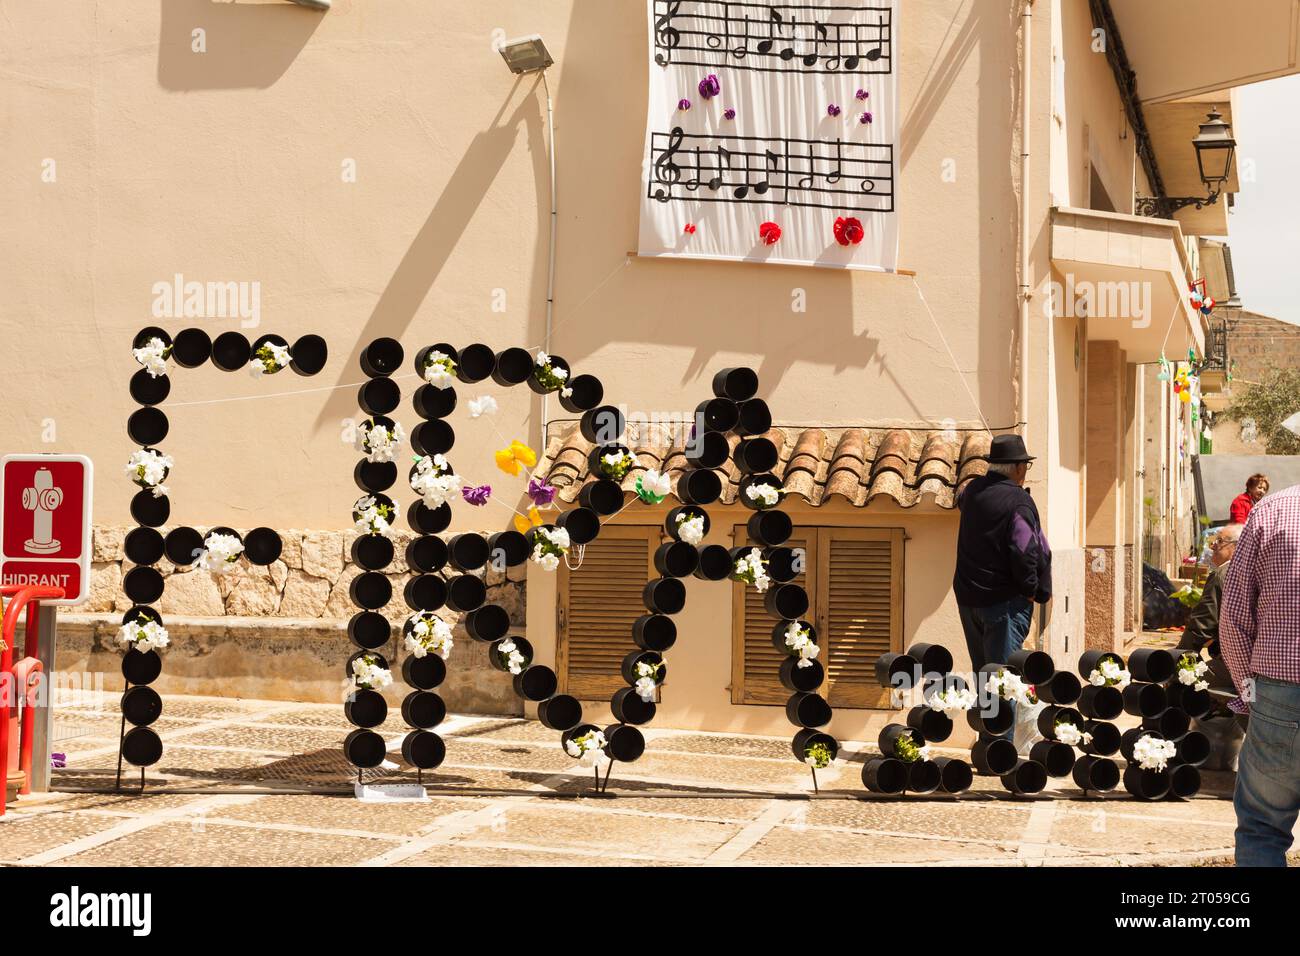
(1004, 565)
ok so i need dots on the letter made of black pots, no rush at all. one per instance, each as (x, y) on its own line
(884, 775)
(1154, 664)
(536, 683)
(934, 725)
(423, 749)
(1096, 773)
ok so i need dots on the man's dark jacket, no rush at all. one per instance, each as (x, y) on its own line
(1002, 552)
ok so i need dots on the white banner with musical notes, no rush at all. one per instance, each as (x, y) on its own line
(770, 132)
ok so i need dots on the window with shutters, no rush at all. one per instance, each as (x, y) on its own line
(854, 580)
(596, 607)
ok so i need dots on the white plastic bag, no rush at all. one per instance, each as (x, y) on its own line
(1026, 729)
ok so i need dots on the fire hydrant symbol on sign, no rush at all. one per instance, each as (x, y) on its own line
(42, 498)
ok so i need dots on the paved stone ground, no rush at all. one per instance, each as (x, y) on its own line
(507, 794)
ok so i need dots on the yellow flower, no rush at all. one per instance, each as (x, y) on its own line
(509, 459)
(524, 525)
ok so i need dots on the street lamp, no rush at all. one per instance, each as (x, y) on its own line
(526, 54)
(1215, 149)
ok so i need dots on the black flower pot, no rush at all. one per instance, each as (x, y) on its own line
(431, 402)
(1184, 781)
(778, 634)
(467, 552)
(1063, 688)
(489, 623)
(623, 742)
(717, 415)
(382, 358)
(1035, 667)
(1089, 661)
(596, 454)
(1096, 773)
(308, 355)
(993, 755)
(424, 673)
(884, 775)
(434, 437)
(143, 585)
(1128, 740)
(476, 363)
(143, 546)
(755, 417)
(586, 393)
(955, 775)
(676, 559)
(428, 520)
(1101, 703)
(141, 667)
(379, 396)
(466, 592)
(1105, 738)
(369, 630)
(1027, 777)
(536, 683)
(423, 750)
(556, 363)
(737, 383)
(148, 390)
(932, 658)
(715, 563)
(994, 717)
(422, 357)
(633, 658)
(147, 426)
(1056, 757)
(937, 682)
(424, 592)
(770, 528)
(183, 546)
(802, 680)
(899, 671)
(699, 486)
(191, 348)
(262, 546)
(423, 709)
(707, 449)
(808, 710)
(664, 596)
(583, 524)
(806, 738)
(1146, 784)
(141, 747)
(1193, 748)
(370, 590)
(681, 513)
(786, 601)
(574, 733)
(149, 511)
(150, 332)
(890, 735)
(654, 632)
(1145, 700)
(427, 554)
(507, 547)
(141, 706)
(513, 366)
(767, 478)
(1171, 724)
(1049, 717)
(783, 564)
(602, 496)
(1152, 664)
(755, 456)
(934, 725)
(602, 426)
(628, 708)
(1197, 703)
(364, 749)
(373, 552)
(560, 712)
(923, 776)
(366, 708)
(231, 351)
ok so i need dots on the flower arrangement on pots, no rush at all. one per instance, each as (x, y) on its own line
(799, 641)
(550, 376)
(149, 468)
(153, 355)
(653, 487)
(750, 568)
(510, 656)
(589, 749)
(615, 465)
(952, 700)
(1008, 686)
(220, 553)
(1153, 753)
(1110, 672)
(550, 545)
(372, 516)
(762, 495)
(439, 368)
(1067, 731)
(369, 673)
(143, 634)
(434, 481)
(426, 633)
(690, 527)
(908, 750)
(269, 358)
(648, 675)
(818, 756)
(1191, 672)
(379, 442)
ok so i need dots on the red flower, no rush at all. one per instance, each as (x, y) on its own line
(769, 233)
(690, 229)
(848, 232)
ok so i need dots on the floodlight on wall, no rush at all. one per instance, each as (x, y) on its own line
(526, 54)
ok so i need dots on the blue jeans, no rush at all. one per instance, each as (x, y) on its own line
(994, 633)
(1267, 798)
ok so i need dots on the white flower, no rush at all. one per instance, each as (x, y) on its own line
(1191, 670)
(615, 464)
(269, 359)
(380, 443)
(1009, 686)
(799, 639)
(149, 468)
(656, 484)
(1110, 673)
(764, 495)
(564, 392)
(750, 569)
(144, 634)
(589, 749)
(439, 367)
(373, 517)
(511, 656)
(369, 674)
(690, 528)
(1068, 733)
(434, 481)
(645, 689)
(542, 359)
(153, 356)
(549, 545)
(952, 700)
(1153, 754)
(428, 634)
(483, 405)
(220, 553)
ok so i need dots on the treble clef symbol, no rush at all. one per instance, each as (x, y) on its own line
(666, 35)
(666, 171)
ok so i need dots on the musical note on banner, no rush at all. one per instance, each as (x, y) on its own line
(668, 172)
(666, 35)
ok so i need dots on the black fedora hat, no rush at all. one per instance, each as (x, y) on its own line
(1008, 450)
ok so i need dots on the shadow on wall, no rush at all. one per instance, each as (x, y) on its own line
(247, 45)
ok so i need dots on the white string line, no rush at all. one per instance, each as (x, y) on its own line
(944, 339)
(1177, 302)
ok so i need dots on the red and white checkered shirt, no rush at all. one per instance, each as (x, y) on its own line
(1259, 628)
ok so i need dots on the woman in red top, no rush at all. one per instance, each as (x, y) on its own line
(1256, 488)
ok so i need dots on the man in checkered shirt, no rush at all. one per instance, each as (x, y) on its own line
(1259, 632)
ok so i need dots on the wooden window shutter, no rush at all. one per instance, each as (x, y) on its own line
(596, 608)
(755, 662)
(859, 610)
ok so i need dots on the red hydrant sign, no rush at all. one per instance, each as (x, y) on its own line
(45, 523)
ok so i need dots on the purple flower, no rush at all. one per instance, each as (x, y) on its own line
(683, 104)
(862, 94)
(833, 110)
(710, 87)
(477, 496)
(729, 113)
(540, 492)
(58, 761)
(865, 118)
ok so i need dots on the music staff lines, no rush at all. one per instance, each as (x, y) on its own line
(819, 174)
(774, 38)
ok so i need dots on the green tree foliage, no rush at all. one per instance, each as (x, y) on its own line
(1270, 403)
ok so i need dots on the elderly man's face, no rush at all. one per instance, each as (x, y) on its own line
(1221, 548)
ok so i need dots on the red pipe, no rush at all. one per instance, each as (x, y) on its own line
(21, 598)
